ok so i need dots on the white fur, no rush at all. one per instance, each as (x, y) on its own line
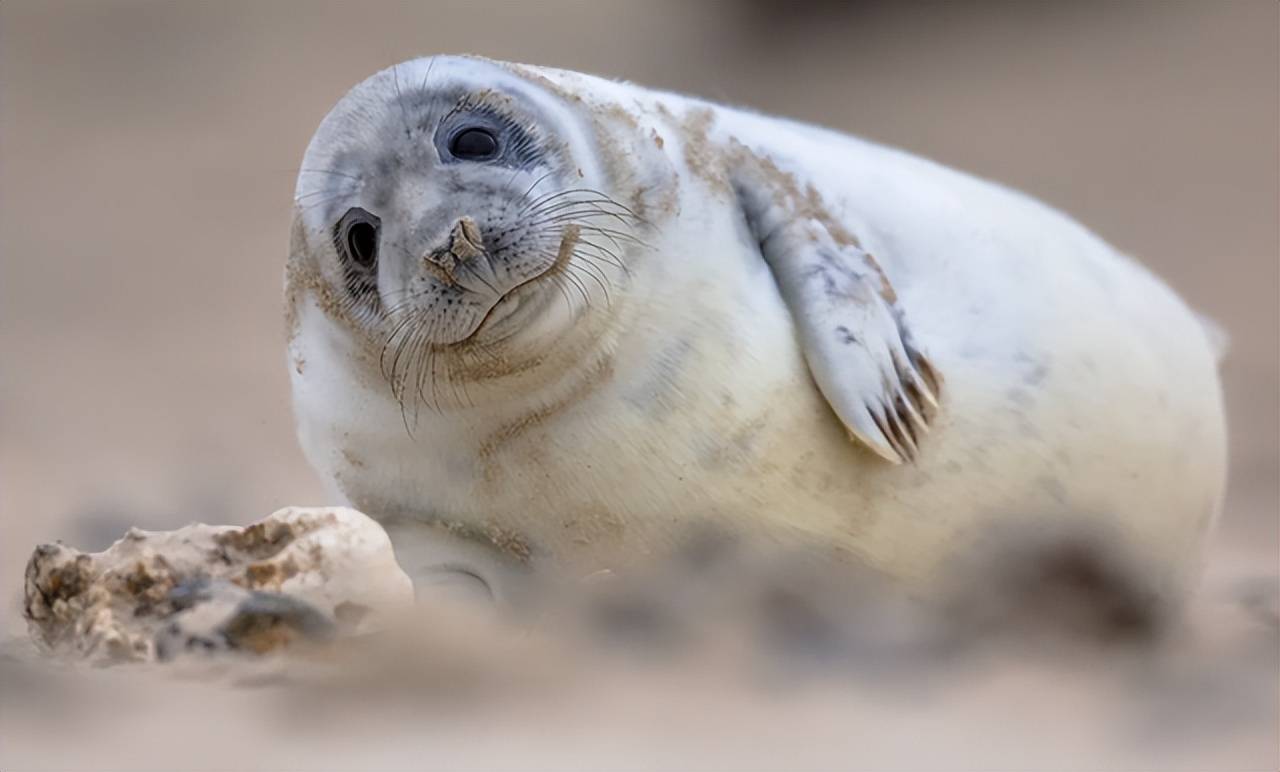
(1077, 387)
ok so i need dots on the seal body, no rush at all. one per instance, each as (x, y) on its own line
(680, 375)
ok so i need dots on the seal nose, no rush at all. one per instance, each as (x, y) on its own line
(465, 239)
(465, 243)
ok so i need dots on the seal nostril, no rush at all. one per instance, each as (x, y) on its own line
(356, 236)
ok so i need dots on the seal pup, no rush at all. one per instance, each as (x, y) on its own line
(544, 322)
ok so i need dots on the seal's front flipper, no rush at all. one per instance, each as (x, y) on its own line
(445, 565)
(853, 334)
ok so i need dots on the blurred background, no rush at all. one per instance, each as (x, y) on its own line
(148, 153)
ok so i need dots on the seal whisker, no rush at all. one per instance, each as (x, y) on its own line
(403, 378)
(466, 394)
(427, 75)
(512, 179)
(404, 406)
(449, 380)
(423, 353)
(558, 281)
(404, 114)
(576, 209)
(598, 207)
(574, 215)
(437, 365)
(595, 196)
(616, 236)
(613, 239)
(331, 173)
(407, 302)
(404, 419)
(485, 349)
(326, 192)
(559, 270)
(546, 197)
(434, 356)
(596, 204)
(402, 343)
(322, 202)
(535, 184)
(557, 203)
(600, 261)
(427, 371)
(591, 270)
(615, 202)
(606, 254)
(390, 343)
(559, 285)
(395, 300)
(582, 218)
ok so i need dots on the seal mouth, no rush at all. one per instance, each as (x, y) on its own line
(509, 302)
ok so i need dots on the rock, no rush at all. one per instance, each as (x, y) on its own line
(299, 574)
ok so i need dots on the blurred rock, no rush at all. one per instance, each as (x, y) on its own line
(301, 574)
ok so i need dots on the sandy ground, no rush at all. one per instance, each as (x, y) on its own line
(147, 155)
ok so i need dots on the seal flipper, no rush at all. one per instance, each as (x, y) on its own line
(853, 333)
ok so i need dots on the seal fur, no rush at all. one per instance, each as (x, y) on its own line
(1026, 372)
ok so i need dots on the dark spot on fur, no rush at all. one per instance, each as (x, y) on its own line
(1020, 397)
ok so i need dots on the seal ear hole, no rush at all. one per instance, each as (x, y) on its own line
(356, 236)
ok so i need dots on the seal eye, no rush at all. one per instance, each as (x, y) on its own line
(356, 236)
(474, 144)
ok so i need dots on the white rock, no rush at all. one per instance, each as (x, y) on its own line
(301, 573)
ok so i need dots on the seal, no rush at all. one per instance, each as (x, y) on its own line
(545, 322)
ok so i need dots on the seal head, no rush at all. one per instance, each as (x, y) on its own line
(447, 204)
